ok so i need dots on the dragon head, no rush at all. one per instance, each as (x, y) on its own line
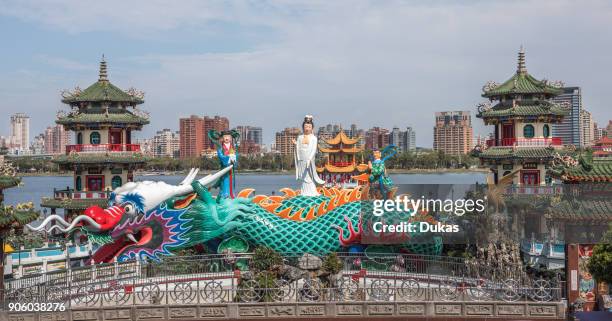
(141, 220)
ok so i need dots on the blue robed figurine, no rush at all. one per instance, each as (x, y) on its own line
(227, 143)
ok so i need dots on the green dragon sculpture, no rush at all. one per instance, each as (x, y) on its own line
(141, 224)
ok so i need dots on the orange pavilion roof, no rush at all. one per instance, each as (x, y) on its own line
(342, 138)
(348, 150)
(344, 169)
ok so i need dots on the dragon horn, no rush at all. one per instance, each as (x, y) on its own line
(46, 221)
(186, 188)
(77, 220)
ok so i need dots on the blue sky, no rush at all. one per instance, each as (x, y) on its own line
(267, 63)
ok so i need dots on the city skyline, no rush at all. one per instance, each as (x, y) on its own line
(242, 61)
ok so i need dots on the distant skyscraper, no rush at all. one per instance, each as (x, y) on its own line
(377, 138)
(608, 132)
(453, 133)
(191, 132)
(283, 142)
(586, 122)
(598, 132)
(38, 145)
(56, 138)
(404, 140)
(570, 130)
(166, 143)
(217, 123)
(251, 139)
(20, 132)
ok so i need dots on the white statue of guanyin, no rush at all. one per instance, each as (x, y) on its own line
(305, 152)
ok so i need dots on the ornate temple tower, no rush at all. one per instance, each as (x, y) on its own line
(102, 118)
(522, 116)
(341, 159)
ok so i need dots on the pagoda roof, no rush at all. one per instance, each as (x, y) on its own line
(102, 91)
(15, 215)
(599, 170)
(102, 158)
(72, 203)
(524, 109)
(521, 83)
(342, 138)
(348, 150)
(8, 181)
(125, 117)
(605, 140)
(516, 153)
(340, 169)
(582, 209)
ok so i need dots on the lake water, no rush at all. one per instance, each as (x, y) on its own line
(33, 188)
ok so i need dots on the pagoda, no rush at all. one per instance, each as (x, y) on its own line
(102, 118)
(522, 115)
(341, 159)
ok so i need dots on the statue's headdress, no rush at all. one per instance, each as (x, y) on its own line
(215, 135)
(308, 120)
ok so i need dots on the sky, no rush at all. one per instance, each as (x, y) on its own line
(268, 63)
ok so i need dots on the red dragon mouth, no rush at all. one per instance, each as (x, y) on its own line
(108, 252)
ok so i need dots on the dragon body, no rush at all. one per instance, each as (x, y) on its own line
(136, 227)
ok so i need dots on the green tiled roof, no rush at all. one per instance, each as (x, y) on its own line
(21, 217)
(125, 117)
(525, 108)
(100, 91)
(8, 181)
(102, 158)
(72, 204)
(522, 83)
(520, 152)
(582, 209)
(595, 171)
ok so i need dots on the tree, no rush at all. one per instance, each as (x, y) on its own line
(600, 264)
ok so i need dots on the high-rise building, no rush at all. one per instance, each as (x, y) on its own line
(38, 145)
(217, 123)
(283, 142)
(570, 130)
(453, 133)
(20, 132)
(376, 138)
(404, 140)
(166, 143)
(586, 122)
(598, 132)
(56, 138)
(251, 139)
(608, 132)
(191, 141)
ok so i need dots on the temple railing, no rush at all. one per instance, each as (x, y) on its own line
(101, 148)
(525, 142)
(72, 194)
(215, 279)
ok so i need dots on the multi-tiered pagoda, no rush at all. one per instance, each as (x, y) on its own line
(341, 160)
(102, 118)
(522, 114)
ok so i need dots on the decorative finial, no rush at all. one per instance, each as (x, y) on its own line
(521, 69)
(103, 74)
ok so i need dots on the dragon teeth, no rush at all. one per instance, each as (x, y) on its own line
(131, 237)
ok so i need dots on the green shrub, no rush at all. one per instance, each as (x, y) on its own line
(265, 259)
(332, 264)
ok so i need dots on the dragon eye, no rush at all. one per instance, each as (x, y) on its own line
(129, 208)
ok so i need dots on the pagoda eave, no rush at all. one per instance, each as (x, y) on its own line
(100, 159)
(73, 204)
